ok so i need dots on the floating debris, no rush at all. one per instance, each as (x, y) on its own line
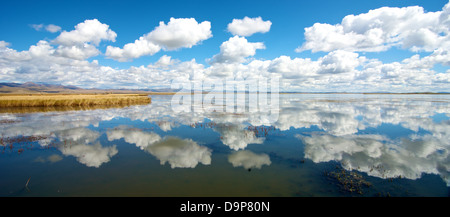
(20, 143)
(261, 131)
(348, 181)
(7, 121)
(204, 125)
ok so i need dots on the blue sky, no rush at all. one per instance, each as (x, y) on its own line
(274, 51)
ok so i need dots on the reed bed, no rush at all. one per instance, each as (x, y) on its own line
(72, 100)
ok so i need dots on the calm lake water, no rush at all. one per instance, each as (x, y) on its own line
(336, 145)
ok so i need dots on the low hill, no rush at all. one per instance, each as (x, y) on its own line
(42, 88)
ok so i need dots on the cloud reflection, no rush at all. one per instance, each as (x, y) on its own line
(348, 128)
(248, 159)
(179, 153)
(381, 157)
(236, 137)
(81, 144)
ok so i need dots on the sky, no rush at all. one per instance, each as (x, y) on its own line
(309, 46)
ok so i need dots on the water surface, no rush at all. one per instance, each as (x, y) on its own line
(320, 145)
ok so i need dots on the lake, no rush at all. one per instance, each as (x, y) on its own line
(313, 145)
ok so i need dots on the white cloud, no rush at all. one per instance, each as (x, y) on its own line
(52, 28)
(80, 44)
(336, 71)
(335, 62)
(37, 27)
(236, 49)
(89, 31)
(342, 69)
(380, 29)
(178, 33)
(248, 26)
(80, 52)
(4, 44)
(293, 68)
(165, 61)
(140, 47)
(248, 159)
(339, 62)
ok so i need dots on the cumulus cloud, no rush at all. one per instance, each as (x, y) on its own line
(343, 68)
(335, 62)
(81, 52)
(181, 32)
(89, 31)
(176, 34)
(4, 44)
(140, 47)
(336, 71)
(236, 49)
(248, 26)
(79, 44)
(248, 159)
(379, 29)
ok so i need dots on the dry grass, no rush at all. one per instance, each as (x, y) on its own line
(72, 100)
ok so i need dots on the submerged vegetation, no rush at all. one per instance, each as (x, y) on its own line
(71, 100)
(348, 181)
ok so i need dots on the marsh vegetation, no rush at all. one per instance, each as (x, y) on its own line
(71, 100)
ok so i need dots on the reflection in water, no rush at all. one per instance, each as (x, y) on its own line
(90, 155)
(384, 136)
(52, 159)
(61, 108)
(407, 158)
(248, 159)
(179, 153)
(139, 138)
(81, 143)
(235, 137)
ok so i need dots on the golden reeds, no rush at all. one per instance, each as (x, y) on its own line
(72, 100)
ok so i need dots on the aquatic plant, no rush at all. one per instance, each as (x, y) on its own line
(348, 181)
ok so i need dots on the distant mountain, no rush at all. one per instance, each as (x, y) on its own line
(36, 88)
(32, 87)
